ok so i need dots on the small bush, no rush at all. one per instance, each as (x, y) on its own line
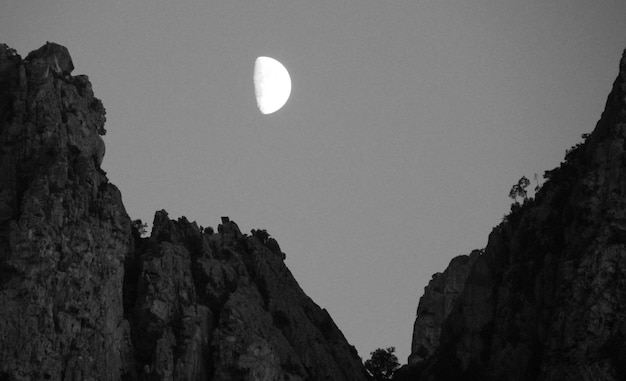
(382, 364)
(139, 228)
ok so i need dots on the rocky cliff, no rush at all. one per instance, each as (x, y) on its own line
(546, 300)
(84, 297)
(435, 306)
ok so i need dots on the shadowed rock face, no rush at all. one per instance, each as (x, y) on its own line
(230, 299)
(547, 298)
(435, 306)
(63, 229)
(85, 298)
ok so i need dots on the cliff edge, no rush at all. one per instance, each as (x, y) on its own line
(546, 300)
(85, 297)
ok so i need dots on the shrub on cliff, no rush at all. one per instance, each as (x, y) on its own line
(260, 234)
(519, 190)
(139, 228)
(264, 237)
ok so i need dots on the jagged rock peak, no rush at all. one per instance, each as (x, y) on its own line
(64, 232)
(85, 297)
(52, 57)
(547, 298)
(240, 309)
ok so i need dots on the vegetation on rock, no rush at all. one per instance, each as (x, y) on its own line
(382, 364)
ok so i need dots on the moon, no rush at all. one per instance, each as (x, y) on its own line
(272, 84)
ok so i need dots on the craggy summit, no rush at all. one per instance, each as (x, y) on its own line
(84, 297)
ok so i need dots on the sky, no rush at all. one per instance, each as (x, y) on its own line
(407, 125)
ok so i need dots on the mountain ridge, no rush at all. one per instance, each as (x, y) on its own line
(545, 299)
(85, 297)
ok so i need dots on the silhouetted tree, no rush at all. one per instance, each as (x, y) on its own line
(10, 51)
(264, 237)
(519, 189)
(261, 234)
(140, 227)
(382, 364)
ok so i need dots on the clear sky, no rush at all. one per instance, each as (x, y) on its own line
(408, 123)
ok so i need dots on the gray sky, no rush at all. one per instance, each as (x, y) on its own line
(408, 123)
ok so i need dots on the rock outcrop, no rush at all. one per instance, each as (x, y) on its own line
(224, 306)
(84, 297)
(63, 229)
(547, 298)
(434, 307)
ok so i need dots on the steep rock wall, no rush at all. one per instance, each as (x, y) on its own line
(547, 298)
(63, 229)
(84, 297)
(436, 304)
(228, 298)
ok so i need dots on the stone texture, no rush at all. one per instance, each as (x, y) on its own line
(63, 229)
(224, 306)
(547, 298)
(84, 297)
(50, 58)
(439, 298)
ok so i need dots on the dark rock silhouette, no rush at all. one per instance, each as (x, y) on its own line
(546, 300)
(435, 306)
(63, 229)
(84, 297)
(224, 306)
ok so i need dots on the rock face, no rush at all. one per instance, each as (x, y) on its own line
(547, 298)
(434, 307)
(84, 297)
(63, 229)
(224, 306)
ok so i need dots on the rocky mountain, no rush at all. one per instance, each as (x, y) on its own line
(546, 299)
(439, 298)
(85, 297)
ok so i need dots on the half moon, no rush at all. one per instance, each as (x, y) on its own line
(272, 84)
